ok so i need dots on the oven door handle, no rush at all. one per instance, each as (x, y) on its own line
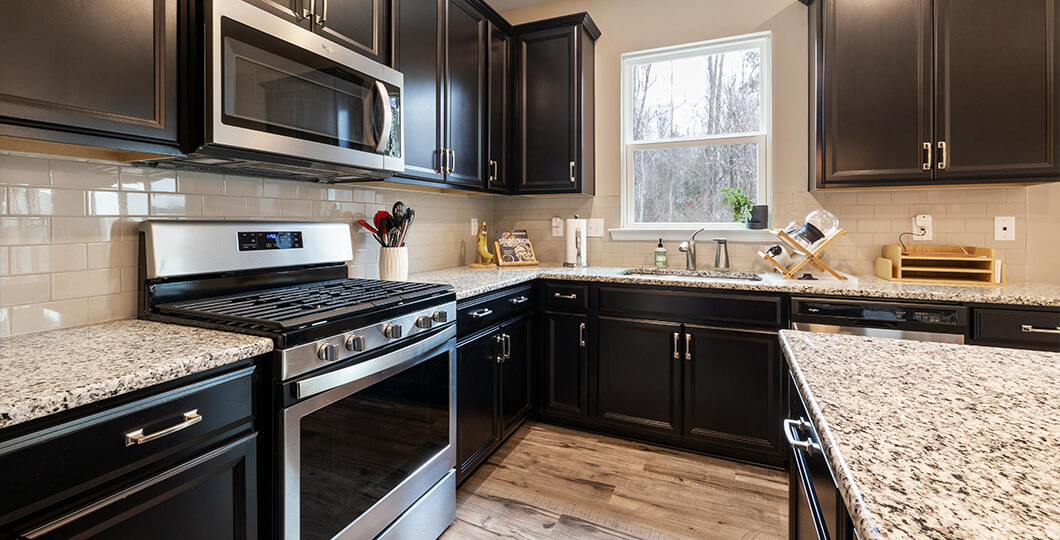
(376, 369)
(383, 137)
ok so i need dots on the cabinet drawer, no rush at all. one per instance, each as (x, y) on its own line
(60, 462)
(561, 297)
(1014, 328)
(686, 306)
(482, 311)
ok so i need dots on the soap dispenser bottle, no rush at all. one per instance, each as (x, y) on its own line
(660, 255)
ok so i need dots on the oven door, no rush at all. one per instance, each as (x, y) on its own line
(277, 88)
(365, 442)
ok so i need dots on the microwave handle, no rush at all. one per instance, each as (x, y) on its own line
(383, 138)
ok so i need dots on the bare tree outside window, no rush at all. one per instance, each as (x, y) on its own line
(696, 123)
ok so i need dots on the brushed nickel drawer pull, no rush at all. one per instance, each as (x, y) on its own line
(484, 312)
(677, 354)
(926, 165)
(1033, 330)
(566, 296)
(944, 159)
(519, 300)
(581, 334)
(191, 418)
(791, 433)
(688, 346)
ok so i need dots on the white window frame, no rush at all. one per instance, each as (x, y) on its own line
(674, 231)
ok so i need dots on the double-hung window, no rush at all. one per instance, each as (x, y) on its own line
(695, 120)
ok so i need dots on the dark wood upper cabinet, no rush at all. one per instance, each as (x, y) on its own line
(934, 92)
(498, 109)
(877, 92)
(361, 25)
(296, 11)
(106, 68)
(418, 55)
(555, 133)
(998, 74)
(465, 94)
(640, 375)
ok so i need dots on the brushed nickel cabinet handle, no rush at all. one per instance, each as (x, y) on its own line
(944, 158)
(688, 346)
(572, 172)
(581, 334)
(191, 418)
(926, 165)
(791, 429)
(677, 354)
(452, 160)
(484, 312)
(520, 300)
(1030, 329)
(507, 346)
(566, 296)
(499, 340)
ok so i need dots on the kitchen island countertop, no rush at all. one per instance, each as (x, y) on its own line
(469, 282)
(52, 371)
(931, 440)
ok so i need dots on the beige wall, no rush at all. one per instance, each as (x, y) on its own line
(1043, 233)
(68, 229)
(873, 218)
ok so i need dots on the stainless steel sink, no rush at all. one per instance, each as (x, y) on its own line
(717, 274)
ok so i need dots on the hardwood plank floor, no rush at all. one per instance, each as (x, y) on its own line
(553, 482)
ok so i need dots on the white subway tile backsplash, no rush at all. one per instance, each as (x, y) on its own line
(111, 307)
(111, 255)
(67, 285)
(174, 204)
(15, 290)
(49, 316)
(47, 258)
(138, 179)
(264, 207)
(84, 174)
(70, 230)
(201, 183)
(281, 189)
(46, 201)
(242, 186)
(4, 256)
(24, 230)
(223, 206)
(296, 208)
(5, 322)
(24, 171)
(117, 203)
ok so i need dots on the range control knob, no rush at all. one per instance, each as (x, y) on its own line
(392, 331)
(355, 343)
(440, 316)
(328, 352)
(424, 321)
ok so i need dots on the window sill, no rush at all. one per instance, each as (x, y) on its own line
(733, 235)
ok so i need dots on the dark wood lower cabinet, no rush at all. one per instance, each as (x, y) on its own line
(566, 366)
(515, 380)
(640, 375)
(213, 496)
(477, 432)
(732, 390)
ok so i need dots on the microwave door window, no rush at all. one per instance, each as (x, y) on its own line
(267, 92)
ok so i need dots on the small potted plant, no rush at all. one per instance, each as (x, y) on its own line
(739, 202)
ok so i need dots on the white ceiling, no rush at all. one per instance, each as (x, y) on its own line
(505, 5)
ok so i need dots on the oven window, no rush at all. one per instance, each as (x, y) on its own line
(274, 87)
(356, 450)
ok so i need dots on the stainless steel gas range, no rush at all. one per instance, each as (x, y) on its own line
(361, 389)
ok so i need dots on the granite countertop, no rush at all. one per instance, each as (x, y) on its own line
(931, 440)
(470, 282)
(48, 372)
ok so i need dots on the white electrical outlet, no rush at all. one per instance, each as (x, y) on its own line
(557, 226)
(1004, 228)
(474, 226)
(922, 228)
(596, 227)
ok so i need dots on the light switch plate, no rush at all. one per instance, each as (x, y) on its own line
(474, 226)
(1004, 228)
(596, 227)
(557, 226)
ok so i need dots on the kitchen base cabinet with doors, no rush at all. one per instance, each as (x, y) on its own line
(695, 370)
(926, 92)
(493, 363)
(175, 461)
(1020, 327)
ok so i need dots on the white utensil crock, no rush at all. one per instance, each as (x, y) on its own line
(394, 263)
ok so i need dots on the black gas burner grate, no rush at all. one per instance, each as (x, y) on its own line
(291, 307)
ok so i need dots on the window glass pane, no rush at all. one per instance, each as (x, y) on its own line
(683, 185)
(713, 94)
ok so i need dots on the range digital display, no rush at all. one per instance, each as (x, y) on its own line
(257, 241)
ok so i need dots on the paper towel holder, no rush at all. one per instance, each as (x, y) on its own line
(576, 243)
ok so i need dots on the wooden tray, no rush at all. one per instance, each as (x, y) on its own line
(951, 265)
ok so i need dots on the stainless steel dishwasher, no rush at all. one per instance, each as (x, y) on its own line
(946, 323)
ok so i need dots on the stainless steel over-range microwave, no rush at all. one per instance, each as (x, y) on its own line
(281, 101)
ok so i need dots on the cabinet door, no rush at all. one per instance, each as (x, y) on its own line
(566, 366)
(997, 105)
(497, 104)
(465, 94)
(548, 110)
(515, 374)
(295, 11)
(640, 375)
(477, 427)
(109, 67)
(360, 25)
(211, 496)
(875, 94)
(418, 55)
(732, 390)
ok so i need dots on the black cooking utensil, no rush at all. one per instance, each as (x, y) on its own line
(399, 212)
